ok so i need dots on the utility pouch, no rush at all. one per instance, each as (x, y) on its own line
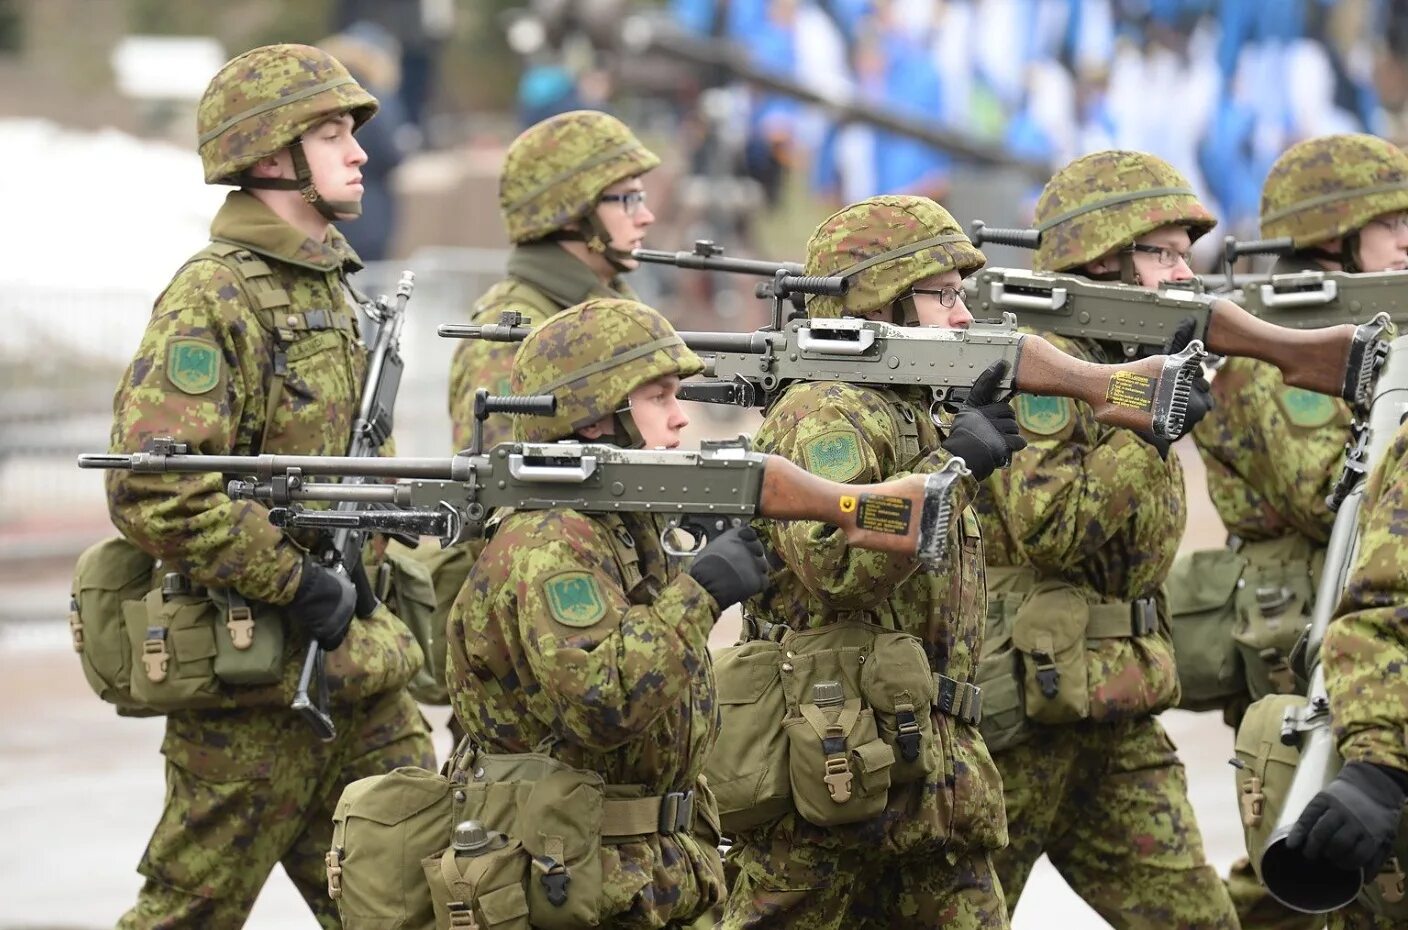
(1273, 607)
(1004, 722)
(479, 881)
(172, 639)
(1049, 632)
(1386, 894)
(898, 685)
(1265, 767)
(747, 768)
(108, 574)
(405, 583)
(249, 640)
(1203, 593)
(561, 822)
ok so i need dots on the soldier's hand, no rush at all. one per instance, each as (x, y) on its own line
(1354, 820)
(984, 432)
(323, 604)
(732, 567)
(1199, 403)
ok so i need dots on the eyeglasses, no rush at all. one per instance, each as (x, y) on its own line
(948, 296)
(1167, 257)
(630, 201)
(1395, 222)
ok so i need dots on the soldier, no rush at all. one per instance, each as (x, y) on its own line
(1080, 533)
(573, 201)
(576, 633)
(923, 860)
(253, 348)
(1273, 452)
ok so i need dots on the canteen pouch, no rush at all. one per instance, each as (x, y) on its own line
(108, 574)
(384, 828)
(1386, 894)
(1048, 631)
(1203, 592)
(172, 639)
(898, 685)
(486, 891)
(407, 583)
(1004, 721)
(249, 640)
(748, 769)
(1265, 767)
(1273, 608)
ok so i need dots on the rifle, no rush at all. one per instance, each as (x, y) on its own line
(1318, 887)
(752, 369)
(701, 492)
(1336, 360)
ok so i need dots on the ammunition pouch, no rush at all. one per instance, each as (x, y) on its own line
(1274, 603)
(1265, 767)
(406, 583)
(1004, 722)
(824, 721)
(1202, 598)
(398, 859)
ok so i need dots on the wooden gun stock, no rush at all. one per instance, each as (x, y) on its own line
(1314, 359)
(908, 516)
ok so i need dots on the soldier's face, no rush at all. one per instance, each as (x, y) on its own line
(930, 296)
(1383, 243)
(657, 412)
(626, 216)
(1169, 263)
(335, 158)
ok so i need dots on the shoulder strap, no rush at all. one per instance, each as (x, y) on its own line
(906, 428)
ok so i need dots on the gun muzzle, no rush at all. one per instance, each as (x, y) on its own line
(493, 332)
(96, 460)
(982, 233)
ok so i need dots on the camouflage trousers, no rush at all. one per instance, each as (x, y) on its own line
(1108, 804)
(850, 890)
(1257, 909)
(249, 789)
(1358, 917)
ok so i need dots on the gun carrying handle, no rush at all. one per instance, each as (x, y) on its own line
(1120, 395)
(1314, 359)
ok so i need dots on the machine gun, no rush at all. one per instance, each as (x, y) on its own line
(1319, 887)
(701, 493)
(1338, 360)
(752, 369)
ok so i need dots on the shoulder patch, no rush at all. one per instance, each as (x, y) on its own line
(1044, 416)
(835, 454)
(193, 365)
(574, 598)
(1307, 409)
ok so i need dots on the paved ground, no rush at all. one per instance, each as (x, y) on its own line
(80, 789)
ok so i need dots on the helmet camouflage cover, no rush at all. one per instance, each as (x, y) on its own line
(555, 170)
(1323, 188)
(265, 100)
(883, 246)
(592, 356)
(1104, 201)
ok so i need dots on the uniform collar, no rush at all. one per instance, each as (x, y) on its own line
(245, 221)
(551, 269)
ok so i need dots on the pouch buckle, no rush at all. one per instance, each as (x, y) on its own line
(1048, 678)
(154, 655)
(907, 735)
(333, 862)
(240, 622)
(676, 812)
(1253, 802)
(1390, 881)
(1143, 616)
(75, 625)
(461, 916)
(838, 778)
(1278, 670)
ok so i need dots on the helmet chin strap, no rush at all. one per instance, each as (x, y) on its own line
(598, 240)
(302, 181)
(624, 432)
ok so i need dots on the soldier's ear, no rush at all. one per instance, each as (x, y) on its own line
(270, 166)
(594, 431)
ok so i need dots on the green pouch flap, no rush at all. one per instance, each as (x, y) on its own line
(747, 768)
(1049, 630)
(560, 824)
(504, 905)
(1203, 580)
(896, 680)
(1202, 598)
(1266, 770)
(874, 756)
(405, 793)
(107, 574)
(261, 662)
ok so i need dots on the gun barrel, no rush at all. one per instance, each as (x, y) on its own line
(693, 260)
(755, 343)
(493, 332)
(267, 466)
(104, 460)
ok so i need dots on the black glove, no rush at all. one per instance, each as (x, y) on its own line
(984, 432)
(323, 604)
(732, 567)
(366, 597)
(1199, 399)
(1354, 820)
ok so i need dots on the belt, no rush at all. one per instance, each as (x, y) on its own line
(959, 699)
(1123, 620)
(672, 812)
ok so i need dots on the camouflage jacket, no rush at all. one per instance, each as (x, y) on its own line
(1366, 647)
(1272, 452)
(574, 633)
(858, 434)
(204, 373)
(1095, 507)
(543, 278)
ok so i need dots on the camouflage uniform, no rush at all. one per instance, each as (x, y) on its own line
(925, 861)
(251, 786)
(576, 632)
(553, 174)
(1273, 452)
(1096, 508)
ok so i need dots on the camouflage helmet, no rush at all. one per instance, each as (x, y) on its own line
(265, 100)
(1323, 188)
(592, 356)
(555, 170)
(883, 246)
(1105, 201)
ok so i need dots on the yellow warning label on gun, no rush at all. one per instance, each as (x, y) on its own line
(881, 513)
(1129, 389)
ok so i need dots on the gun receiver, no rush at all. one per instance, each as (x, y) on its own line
(709, 257)
(699, 491)
(1334, 360)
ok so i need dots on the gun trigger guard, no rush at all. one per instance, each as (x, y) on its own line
(696, 530)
